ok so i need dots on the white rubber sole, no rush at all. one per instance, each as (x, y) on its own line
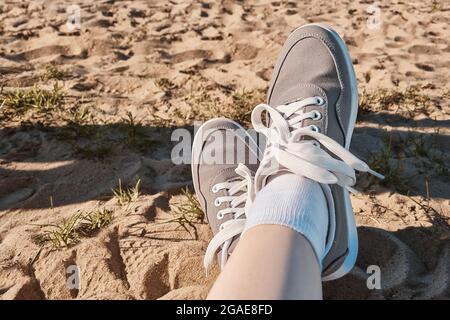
(352, 235)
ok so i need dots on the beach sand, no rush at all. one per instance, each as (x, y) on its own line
(137, 70)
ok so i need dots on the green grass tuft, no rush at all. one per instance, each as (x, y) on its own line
(380, 162)
(126, 196)
(60, 235)
(53, 72)
(135, 137)
(188, 212)
(206, 104)
(165, 85)
(411, 100)
(40, 101)
(70, 231)
(95, 220)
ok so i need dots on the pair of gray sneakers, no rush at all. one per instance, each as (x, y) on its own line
(312, 106)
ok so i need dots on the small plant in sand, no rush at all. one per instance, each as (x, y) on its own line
(130, 123)
(94, 141)
(381, 162)
(79, 114)
(135, 137)
(420, 148)
(188, 212)
(436, 6)
(127, 195)
(165, 85)
(40, 101)
(205, 105)
(411, 100)
(189, 207)
(97, 147)
(432, 151)
(367, 101)
(60, 235)
(160, 122)
(70, 231)
(441, 225)
(243, 102)
(79, 122)
(53, 72)
(441, 165)
(95, 220)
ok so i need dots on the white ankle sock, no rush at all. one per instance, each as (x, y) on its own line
(295, 202)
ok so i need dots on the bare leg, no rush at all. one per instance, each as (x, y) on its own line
(270, 262)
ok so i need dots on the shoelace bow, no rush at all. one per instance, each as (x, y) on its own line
(284, 147)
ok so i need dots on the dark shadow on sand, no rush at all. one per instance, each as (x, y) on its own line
(99, 154)
(94, 148)
(413, 264)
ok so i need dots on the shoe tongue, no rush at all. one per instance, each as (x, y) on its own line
(295, 93)
(228, 174)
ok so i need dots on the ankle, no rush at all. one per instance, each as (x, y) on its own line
(297, 203)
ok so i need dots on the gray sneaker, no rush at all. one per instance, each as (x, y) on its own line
(224, 159)
(312, 108)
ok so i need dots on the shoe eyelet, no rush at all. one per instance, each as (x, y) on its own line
(220, 215)
(319, 101)
(315, 128)
(317, 115)
(217, 202)
(215, 189)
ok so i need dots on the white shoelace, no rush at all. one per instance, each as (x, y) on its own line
(239, 205)
(284, 147)
(304, 157)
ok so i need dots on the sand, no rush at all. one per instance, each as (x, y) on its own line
(114, 64)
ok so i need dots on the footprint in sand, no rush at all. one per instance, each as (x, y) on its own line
(264, 74)
(157, 270)
(189, 55)
(25, 288)
(102, 23)
(15, 190)
(424, 67)
(43, 52)
(421, 49)
(20, 145)
(244, 51)
(211, 33)
(403, 275)
(146, 268)
(84, 86)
